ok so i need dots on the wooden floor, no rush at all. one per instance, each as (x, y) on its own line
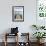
(13, 44)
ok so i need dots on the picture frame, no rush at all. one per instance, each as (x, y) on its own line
(41, 12)
(17, 13)
(41, 9)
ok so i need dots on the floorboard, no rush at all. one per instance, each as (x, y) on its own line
(13, 44)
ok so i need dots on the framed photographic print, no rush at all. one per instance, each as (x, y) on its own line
(41, 12)
(17, 13)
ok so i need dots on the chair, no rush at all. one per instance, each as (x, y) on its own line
(26, 37)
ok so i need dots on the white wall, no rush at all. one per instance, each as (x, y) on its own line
(6, 15)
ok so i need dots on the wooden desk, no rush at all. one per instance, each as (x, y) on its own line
(8, 34)
(17, 43)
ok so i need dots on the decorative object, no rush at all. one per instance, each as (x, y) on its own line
(38, 27)
(14, 30)
(41, 12)
(41, 8)
(18, 13)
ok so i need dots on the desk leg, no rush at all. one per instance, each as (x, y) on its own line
(5, 40)
(17, 40)
(5, 43)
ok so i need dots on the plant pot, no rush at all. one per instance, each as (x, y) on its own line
(40, 41)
